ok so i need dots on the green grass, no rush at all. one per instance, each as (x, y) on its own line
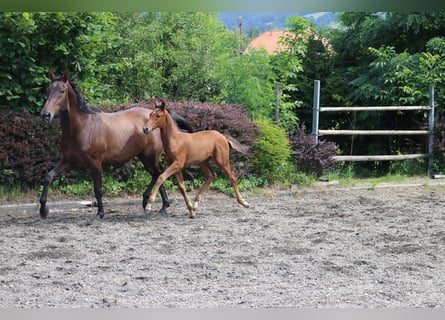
(136, 185)
(351, 180)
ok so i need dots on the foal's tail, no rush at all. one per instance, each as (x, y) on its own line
(235, 144)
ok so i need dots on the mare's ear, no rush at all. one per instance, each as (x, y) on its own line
(65, 76)
(51, 75)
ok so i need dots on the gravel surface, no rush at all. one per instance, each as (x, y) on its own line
(319, 247)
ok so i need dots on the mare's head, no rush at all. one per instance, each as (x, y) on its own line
(156, 119)
(57, 96)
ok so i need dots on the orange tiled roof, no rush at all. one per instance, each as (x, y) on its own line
(269, 40)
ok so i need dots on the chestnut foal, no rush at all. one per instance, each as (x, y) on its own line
(185, 149)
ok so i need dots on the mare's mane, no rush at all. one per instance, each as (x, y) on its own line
(180, 122)
(83, 105)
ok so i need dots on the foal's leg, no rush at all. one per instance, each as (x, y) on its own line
(209, 178)
(234, 182)
(97, 183)
(223, 162)
(165, 201)
(61, 166)
(180, 180)
(159, 181)
(151, 164)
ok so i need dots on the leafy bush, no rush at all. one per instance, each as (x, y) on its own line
(28, 149)
(310, 157)
(272, 153)
(439, 145)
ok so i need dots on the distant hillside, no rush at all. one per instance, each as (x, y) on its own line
(263, 21)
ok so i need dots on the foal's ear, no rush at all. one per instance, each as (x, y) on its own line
(66, 75)
(160, 105)
(51, 75)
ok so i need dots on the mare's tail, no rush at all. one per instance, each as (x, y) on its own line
(235, 144)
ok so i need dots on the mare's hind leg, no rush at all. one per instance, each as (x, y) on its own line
(151, 164)
(61, 166)
(158, 184)
(209, 178)
(165, 201)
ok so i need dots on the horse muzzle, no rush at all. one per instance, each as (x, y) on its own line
(46, 116)
(147, 130)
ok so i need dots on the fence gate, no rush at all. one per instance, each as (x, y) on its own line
(430, 132)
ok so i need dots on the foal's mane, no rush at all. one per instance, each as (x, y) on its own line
(83, 105)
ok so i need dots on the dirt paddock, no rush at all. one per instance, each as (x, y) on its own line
(318, 247)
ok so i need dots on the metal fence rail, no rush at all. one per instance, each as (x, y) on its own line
(430, 132)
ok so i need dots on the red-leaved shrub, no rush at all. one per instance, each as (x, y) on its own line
(29, 147)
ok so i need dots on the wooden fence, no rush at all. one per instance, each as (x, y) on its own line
(430, 132)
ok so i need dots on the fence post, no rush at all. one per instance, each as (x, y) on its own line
(277, 102)
(431, 132)
(316, 110)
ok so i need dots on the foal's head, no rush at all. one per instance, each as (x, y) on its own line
(156, 119)
(57, 96)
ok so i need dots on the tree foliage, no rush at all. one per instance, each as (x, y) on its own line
(168, 54)
(32, 43)
(249, 80)
(388, 59)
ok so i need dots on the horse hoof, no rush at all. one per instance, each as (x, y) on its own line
(44, 212)
(100, 215)
(148, 209)
(162, 211)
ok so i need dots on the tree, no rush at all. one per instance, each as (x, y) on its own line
(249, 80)
(167, 54)
(388, 59)
(31, 43)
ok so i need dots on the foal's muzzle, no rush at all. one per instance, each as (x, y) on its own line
(46, 116)
(146, 130)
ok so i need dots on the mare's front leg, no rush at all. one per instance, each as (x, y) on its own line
(61, 166)
(97, 183)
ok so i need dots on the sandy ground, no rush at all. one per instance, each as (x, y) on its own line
(319, 247)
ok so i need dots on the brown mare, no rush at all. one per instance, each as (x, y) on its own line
(91, 138)
(186, 149)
